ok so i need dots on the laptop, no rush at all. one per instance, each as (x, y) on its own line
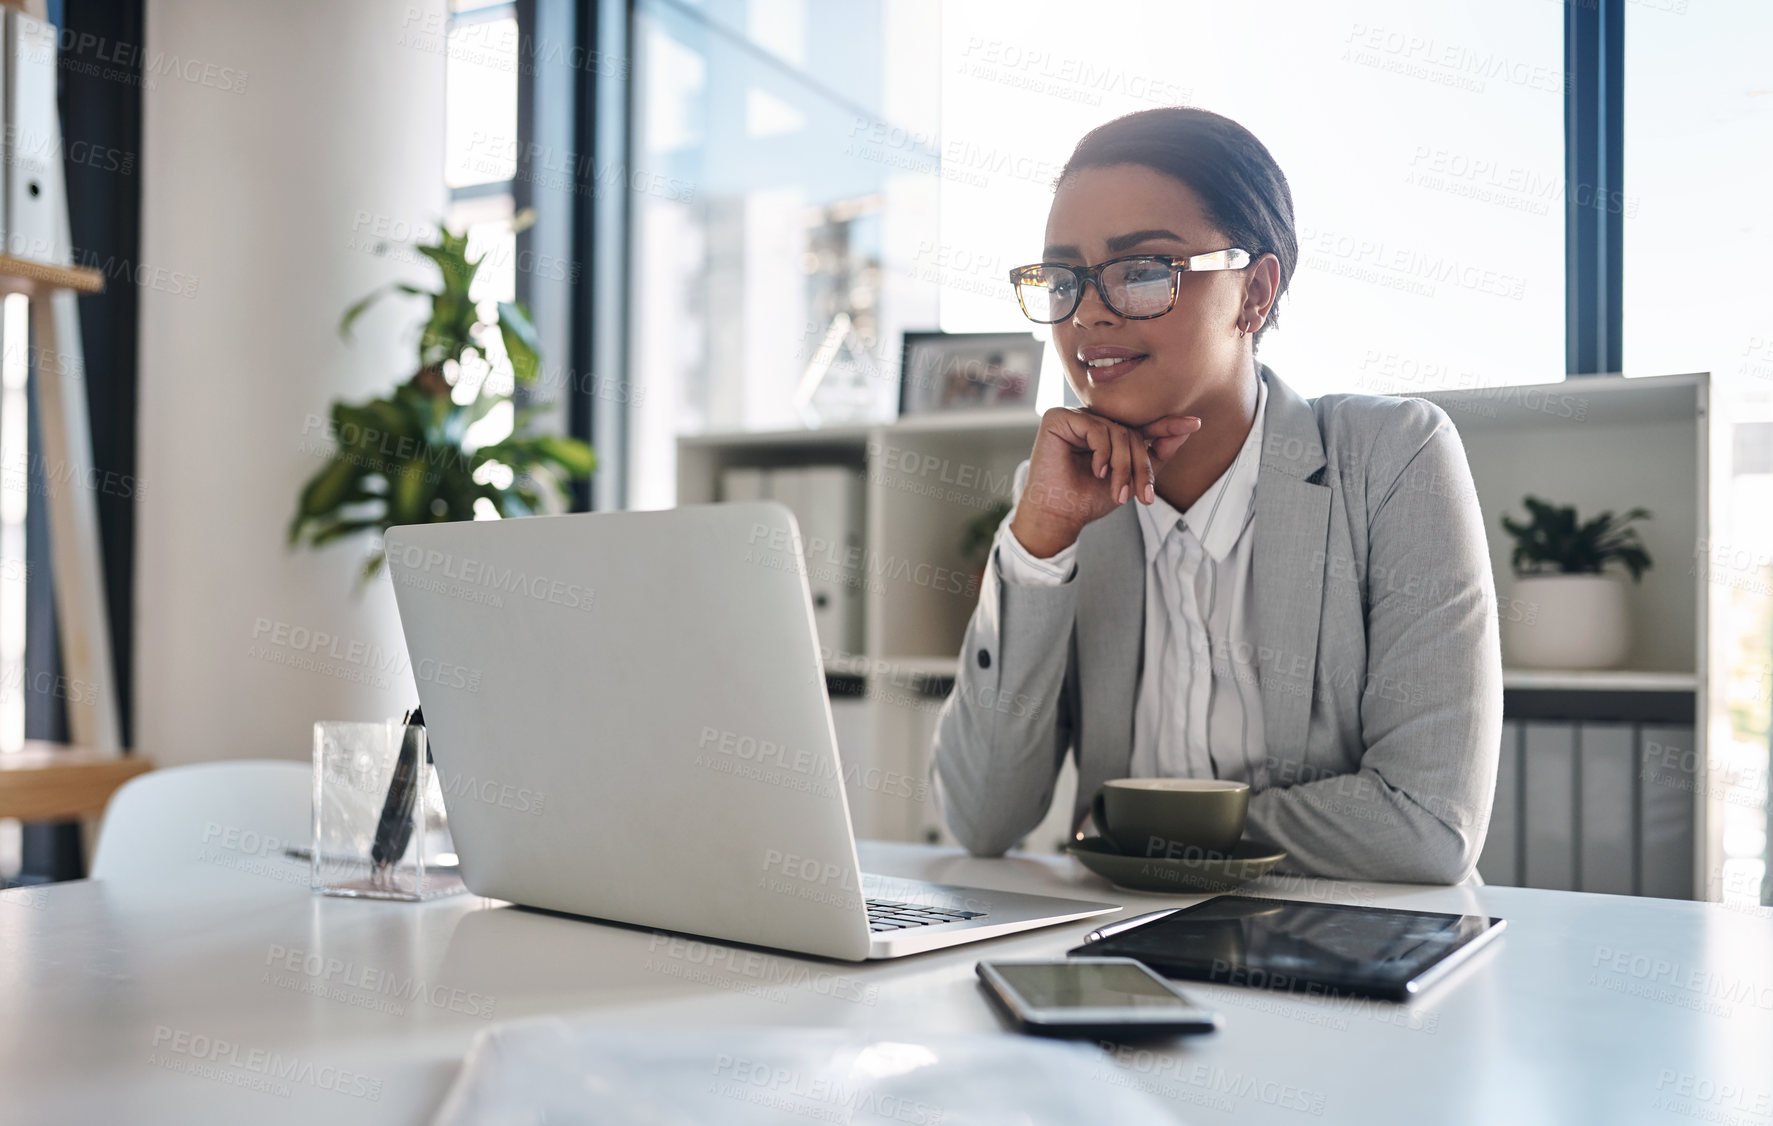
(628, 715)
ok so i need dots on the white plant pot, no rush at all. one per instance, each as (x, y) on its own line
(1566, 622)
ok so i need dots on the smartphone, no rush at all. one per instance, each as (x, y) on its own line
(1109, 998)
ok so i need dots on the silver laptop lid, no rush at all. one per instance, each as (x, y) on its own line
(628, 715)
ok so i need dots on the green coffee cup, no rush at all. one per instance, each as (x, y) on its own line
(1172, 818)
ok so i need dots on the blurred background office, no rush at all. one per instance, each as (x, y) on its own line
(742, 207)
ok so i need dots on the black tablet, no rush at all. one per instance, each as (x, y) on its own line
(1299, 947)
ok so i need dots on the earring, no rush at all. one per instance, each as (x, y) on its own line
(1241, 331)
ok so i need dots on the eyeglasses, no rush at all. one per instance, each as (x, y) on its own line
(1138, 287)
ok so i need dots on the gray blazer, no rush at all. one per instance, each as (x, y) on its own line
(1380, 669)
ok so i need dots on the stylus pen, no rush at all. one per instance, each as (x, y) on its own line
(394, 829)
(1101, 933)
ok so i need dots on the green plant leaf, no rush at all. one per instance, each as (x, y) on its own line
(371, 568)
(574, 458)
(460, 416)
(1554, 540)
(324, 492)
(571, 456)
(356, 310)
(374, 295)
(409, 494)
(449, 332)
(340, 529)
(399, 459)
(522, 344)
(451, 256)
(392, 420)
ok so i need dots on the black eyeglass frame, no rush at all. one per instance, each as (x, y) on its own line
(1231, 258)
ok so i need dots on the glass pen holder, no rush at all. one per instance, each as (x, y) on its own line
(380, 831)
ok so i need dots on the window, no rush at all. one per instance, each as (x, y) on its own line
(891, 162)
(1697, 239)
(783, 181)
(480, 166)
(1423, 144)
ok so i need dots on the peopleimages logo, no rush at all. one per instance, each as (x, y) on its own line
(518, 799)
(813, 1096)
(788, 550)
(424, 567)
(212, 1057)
(767, 761)
(321, 644)
(765, 972)
(94, 54)
(808, 869)
(385, 983)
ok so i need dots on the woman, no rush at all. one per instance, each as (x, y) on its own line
(1206, 575)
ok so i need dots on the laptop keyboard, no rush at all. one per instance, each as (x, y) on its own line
(891, 915)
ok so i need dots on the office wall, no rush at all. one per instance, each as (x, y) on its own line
(279, 141)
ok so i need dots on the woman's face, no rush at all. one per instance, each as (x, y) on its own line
(1190, 355)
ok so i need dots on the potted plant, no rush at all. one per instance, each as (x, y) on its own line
(409, 458)
(1573, 613)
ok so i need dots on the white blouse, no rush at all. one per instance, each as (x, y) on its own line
(1196, 711)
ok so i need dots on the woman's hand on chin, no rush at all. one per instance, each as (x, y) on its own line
(1085, 466)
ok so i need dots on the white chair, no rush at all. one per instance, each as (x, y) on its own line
(225, 816)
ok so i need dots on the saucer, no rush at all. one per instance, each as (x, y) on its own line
(1247, 860)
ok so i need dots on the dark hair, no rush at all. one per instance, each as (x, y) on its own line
(1244, 191)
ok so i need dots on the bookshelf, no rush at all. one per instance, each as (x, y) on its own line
(1598, 742)
(924, 478)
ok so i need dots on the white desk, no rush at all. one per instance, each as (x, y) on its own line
(1591, 1008)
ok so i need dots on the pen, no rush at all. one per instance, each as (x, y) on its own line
(1101, 933)
(394, 829)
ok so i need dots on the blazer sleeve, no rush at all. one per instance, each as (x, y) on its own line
(1418, 808)
(1004, 729)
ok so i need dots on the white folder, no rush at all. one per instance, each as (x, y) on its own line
(32, 142)
(831, 523)
(742, 483)
(826, 501)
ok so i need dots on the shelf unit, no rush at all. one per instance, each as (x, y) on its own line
(1603, 680)
(1583, 751)
(926, 478)
(1604, 442)
(23, 275)
(43, 780)
(1598, 442)
(49, 781)
(1532, 680)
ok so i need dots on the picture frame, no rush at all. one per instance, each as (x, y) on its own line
(941, 372)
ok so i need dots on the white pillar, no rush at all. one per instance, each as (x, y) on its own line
(279, 140)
